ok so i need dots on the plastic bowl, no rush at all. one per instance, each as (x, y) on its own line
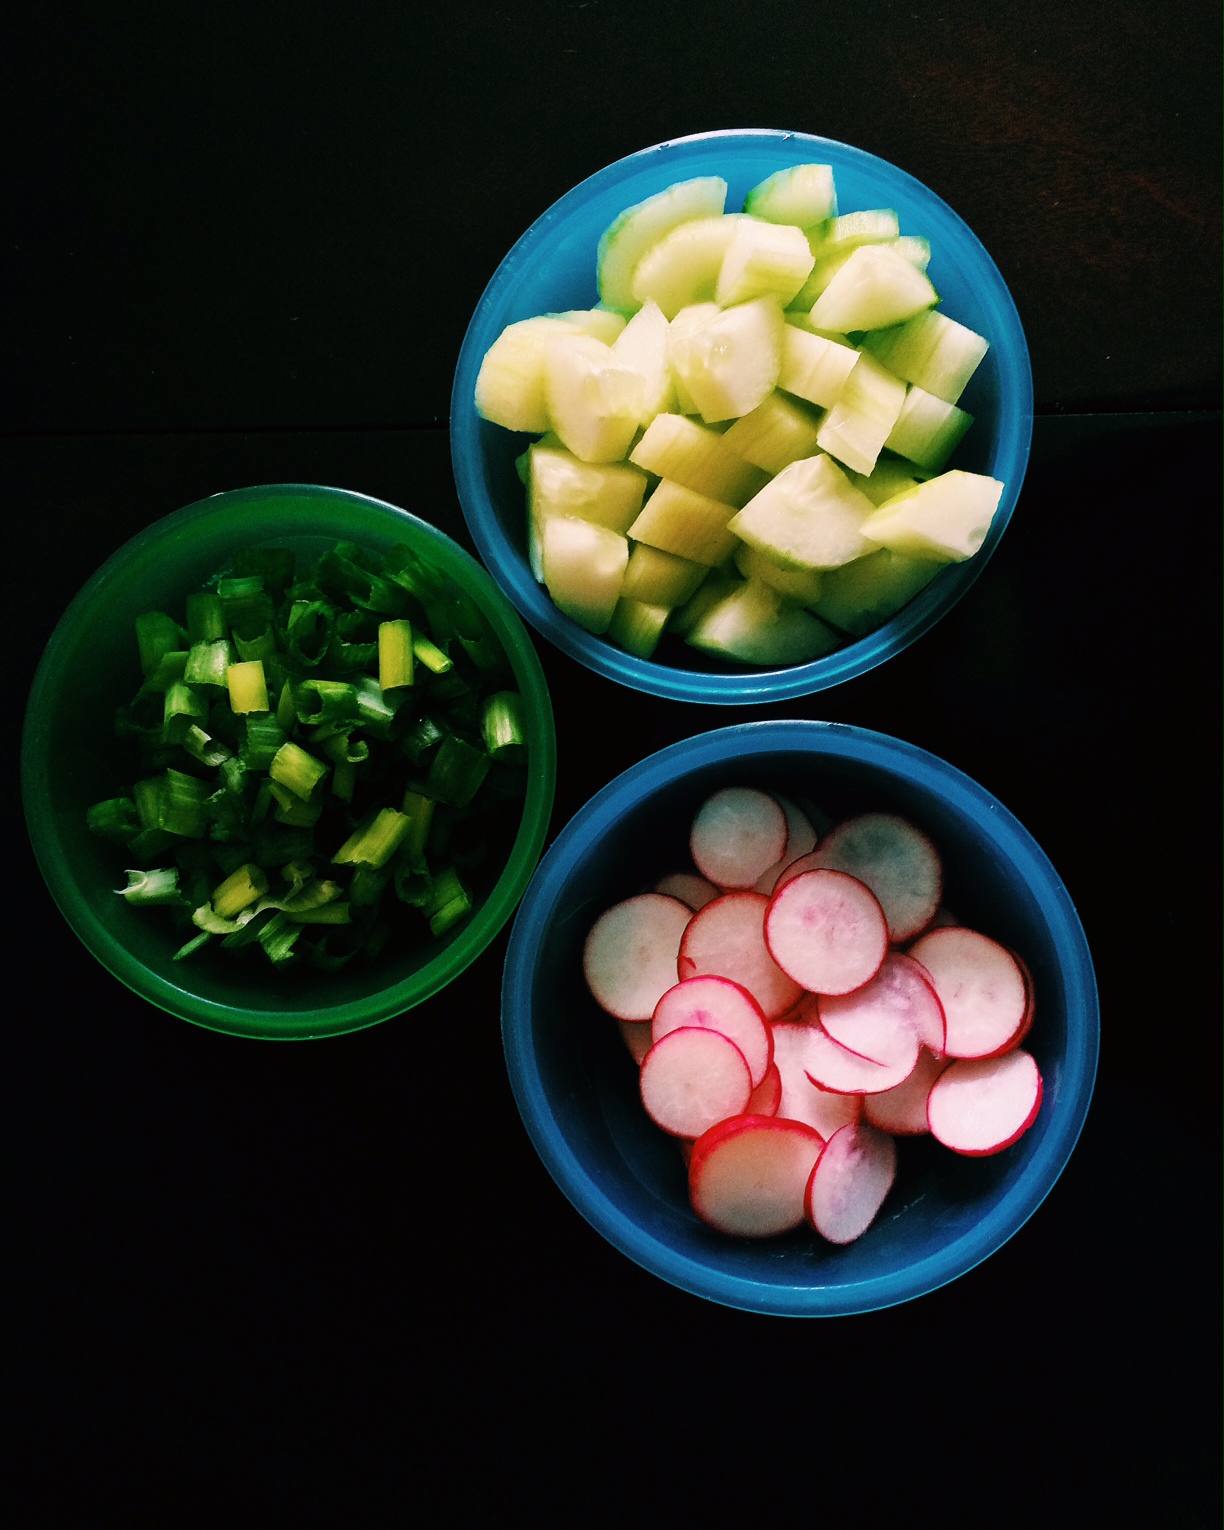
(576, 1085)
(552, 268)
(71, 759)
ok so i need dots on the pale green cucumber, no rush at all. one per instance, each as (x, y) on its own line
(687, 322)
(637, 626)
(861, 596)
(916, 251)
(763, 260)
(889, 476)
(642, 345)
(510, 383)
(718, 583)
(753, 624)
(876, 287)
(927, 430)
(814, 367)
(657, 578)
(594, 400)
(728, 362)
(801, 194)
(692, 454)
(559, 484)
(682, 268)
(584, 567)
(629, 236)
(776, 433)
(809, 517)
(802, 585)
(947, 517)
(857, 426)
(691, 525)
(932, 351)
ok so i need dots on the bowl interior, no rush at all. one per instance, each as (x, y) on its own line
(577, 1086)
(72, 759)
(552, 268)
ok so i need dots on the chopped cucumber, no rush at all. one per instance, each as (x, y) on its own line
(754, 625)
(813, 367)
(932, 351)
(691, 525)
(875, 288)
(867, 409)
(927, 430)
(809, 517)
(801, 194)
(629, 236)
(729, 360)
(657, 578)
(673, 446)
(763, 260)
(946, 517)
(776, 433)
(594, 398)
(584, 567)
(682, 268)
(860, 596)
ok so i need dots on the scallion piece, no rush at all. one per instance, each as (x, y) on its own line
(374, 843)
(503, 726)
(183, 808)
(207, 663)
(395, 655)
(248, 688)
(239, 890)
(431, 656)
(116, 820)
(206, 617)
(159, 886)
(456, 772)
(157, 634)
(292, 767)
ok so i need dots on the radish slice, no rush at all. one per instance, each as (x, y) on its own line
(727, 939)
(748, 1175)
(848, 1185)
(981, 988)
(767, 1096)
(689, 888)
(822, 1109)
(629, 959)
(903, 1110)
(717, 1004)
(800, 840)
(736, 835)
(692, 1079)
(794, 868)
(896, 860)
(831, 1066)
(889, 1015)
(636, 1036)
(982, 1105)
(827, 931)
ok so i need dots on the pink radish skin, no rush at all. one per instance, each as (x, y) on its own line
(883, 1018)
(981, 988)
(748, 1176)
(824, 1110)
(834, 1067)
(737, 834)
(826, 930)
(896, 860)
(796, 868)
(849, 1182)
(691, 889)
(692, 1079)
(629, 959)
(767, 1096)
(727, 939)
(979, 1106)
(903, 1110)
(800, 840)
(720, 1005)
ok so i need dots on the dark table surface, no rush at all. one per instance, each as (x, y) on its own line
(317, 1283)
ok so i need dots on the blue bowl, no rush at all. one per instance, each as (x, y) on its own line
(552, 268)
(576, 1085)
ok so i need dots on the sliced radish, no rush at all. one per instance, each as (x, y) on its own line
(849, 1182)
(824, 1110)
(979, 1106)
(689, 888)
(629, 959)
(833, 1066)
(896, 860)
(981, 988)
(692, 1079)
(717, 1004)
(727, 939)
(827, 931)
(800, 840)
(889, 1016)
(748, 1176)
(903, 1109)
(636, 1036)
(767, 1096)
(794, 868)
(736, 835)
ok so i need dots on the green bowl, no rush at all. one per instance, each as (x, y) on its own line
(70, 759)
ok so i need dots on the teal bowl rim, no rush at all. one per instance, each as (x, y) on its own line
(588, 1191)
(506, 560)
(395, 997)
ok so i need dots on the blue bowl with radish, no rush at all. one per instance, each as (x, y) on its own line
(770, 638)
(949, 1202)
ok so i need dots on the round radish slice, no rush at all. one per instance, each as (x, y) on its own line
(889, 1015)
(689, 888)
(736, 835)
(727, 939)
(717, 1004)
(629, 959)
(794, 868)
(982, 1105)
(748, 1175)
(981, 987)
(800, 840)
(848, 1185)
(824, 1110)
(831, 1066)
(903, 1110)
(896, 860)
(692, 1079)
(767, 1096)
(826, 931)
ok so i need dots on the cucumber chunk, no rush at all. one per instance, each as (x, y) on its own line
(927, 430)
(594, 399)
(629, 236)
(584, 567)
(776, 433)
(861, 596)
(801, 194)
(809, 517)
(946, 517)
(691, 525)
(876, 287)
(559, 484)
(673, 446)
(932, 351)
(682, 268)
(763, 260)
(729, 361)
(754, 625)
(861, 420)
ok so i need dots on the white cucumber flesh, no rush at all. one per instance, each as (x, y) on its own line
(657, 578)
(594, 399)
(861, 596)
(814, 367)
(637, 626)
(682, 268)
(674, 446)
(584, 567)
(801, 585)
(931, 351)
(859, 423)
(691, 525)
(876, 287)
(754, 625)
(927, 429)
(809, 517)
(776, 433)
(728, 362)
(763, 260)
(947, 517)
(801, 194)
(629, 236)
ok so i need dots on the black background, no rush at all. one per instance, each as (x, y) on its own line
(327, 1282)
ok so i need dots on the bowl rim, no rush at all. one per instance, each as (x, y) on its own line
(324, 1019)
(919, 767)
(509, 567)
